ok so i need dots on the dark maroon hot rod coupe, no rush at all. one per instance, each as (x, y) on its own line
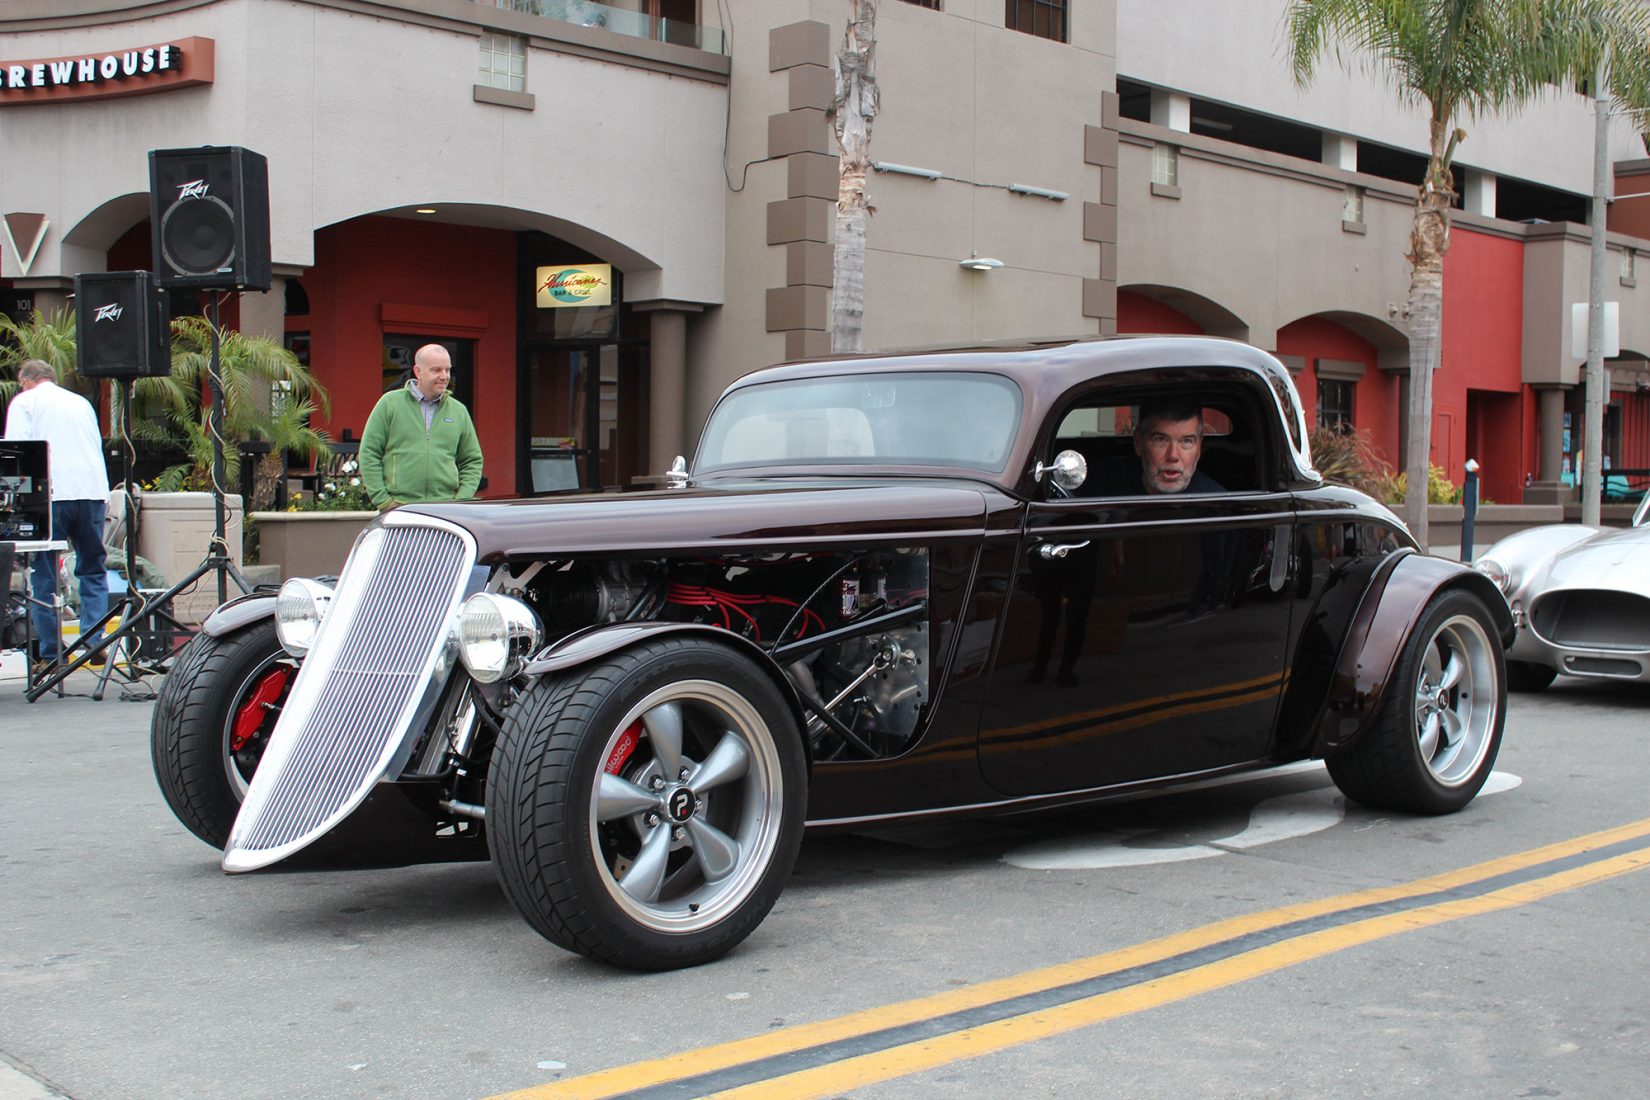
(887, 588)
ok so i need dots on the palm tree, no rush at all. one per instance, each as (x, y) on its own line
(46, 336)
(1467, 58)
(267, 393)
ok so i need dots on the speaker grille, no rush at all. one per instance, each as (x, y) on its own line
(197, 236)
(120, 327)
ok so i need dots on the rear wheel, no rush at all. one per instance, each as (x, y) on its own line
(212, 722)
(647, 810)
(1439, 727)
(1524, 676)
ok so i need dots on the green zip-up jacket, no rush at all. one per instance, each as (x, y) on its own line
(403, 463)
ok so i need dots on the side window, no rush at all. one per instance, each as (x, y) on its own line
(1207, 446)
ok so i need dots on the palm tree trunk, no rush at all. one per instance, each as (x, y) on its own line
(853, 111)
(1428, 241)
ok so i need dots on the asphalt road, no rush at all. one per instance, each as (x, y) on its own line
(130, 967)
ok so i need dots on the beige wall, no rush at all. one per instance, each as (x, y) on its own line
(962, 95)
(360, 113)
(1233, 53)
(1260, 234)
(1557, 265)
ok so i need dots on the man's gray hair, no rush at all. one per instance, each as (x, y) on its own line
(36, 370)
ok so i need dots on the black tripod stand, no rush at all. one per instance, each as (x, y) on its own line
(137, 609)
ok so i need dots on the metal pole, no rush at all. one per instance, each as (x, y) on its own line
(1469, 509)
(1592, 437)
(214, 426)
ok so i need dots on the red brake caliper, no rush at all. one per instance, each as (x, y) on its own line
(617, 759)
(264, 698)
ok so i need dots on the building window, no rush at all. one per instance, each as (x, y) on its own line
(1043, 18)
(1334, 403)
(1352, 206)
(1629, 266)
(1166, 165)
(933, 5)
(503, 62)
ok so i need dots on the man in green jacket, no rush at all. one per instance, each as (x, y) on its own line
(419, 443)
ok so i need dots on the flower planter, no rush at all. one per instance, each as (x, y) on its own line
(308, 544)
(175, 532)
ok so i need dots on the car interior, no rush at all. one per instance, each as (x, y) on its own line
(1100, 427)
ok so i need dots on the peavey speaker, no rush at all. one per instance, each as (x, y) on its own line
(209, 218)
(120, 326)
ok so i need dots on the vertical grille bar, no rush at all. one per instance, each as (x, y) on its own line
(355, 695)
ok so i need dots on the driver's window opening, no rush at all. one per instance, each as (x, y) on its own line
(1102, 431)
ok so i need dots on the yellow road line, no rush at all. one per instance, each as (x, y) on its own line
(1033, 1025)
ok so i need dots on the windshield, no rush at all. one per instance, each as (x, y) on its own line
(920, 419)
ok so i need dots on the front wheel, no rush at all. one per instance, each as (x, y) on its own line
(212, 722)
(1436, 736)
(646, 810)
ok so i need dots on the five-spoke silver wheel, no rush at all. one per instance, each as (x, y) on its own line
(686, 811)
(1456, 708)
(1435, 735)
(646, 808)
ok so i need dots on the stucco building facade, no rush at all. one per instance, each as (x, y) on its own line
(431, 160)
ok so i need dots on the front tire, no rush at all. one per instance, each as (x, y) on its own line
(646, 810)
(212, 722)
(1436, 736)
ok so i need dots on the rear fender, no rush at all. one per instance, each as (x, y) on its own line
(237, 613)
(593, 643)
(1385, 621)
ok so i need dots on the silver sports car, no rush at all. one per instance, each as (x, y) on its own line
(1580, 599)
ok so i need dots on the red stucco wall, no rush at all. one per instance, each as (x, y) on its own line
(1137, 313)
(1482, 351)
(1374, 399)
(455, 278)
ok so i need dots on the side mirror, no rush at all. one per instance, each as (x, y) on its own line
(1066, 473)
(677, 475)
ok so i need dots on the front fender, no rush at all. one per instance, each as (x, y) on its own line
(237, 613)
(592, 643)
(1381, 629)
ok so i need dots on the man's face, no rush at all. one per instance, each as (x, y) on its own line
(433, 371)
(1168, 450)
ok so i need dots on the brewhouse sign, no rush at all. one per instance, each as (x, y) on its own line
(581, 285)
(162, 67)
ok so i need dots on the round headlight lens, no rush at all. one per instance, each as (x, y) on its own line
(299, 609)
(1498, 574)
(496, 635)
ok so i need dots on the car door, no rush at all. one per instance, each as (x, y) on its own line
(1144, 635)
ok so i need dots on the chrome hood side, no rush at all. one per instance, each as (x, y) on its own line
(353, 701)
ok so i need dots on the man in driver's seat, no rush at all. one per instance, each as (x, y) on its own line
(1168, 438)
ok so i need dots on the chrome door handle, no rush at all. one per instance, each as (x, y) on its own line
(1048, 551)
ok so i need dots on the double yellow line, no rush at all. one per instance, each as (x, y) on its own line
(833, 1056)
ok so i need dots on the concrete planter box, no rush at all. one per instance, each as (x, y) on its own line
(308, 544)
(175, 532)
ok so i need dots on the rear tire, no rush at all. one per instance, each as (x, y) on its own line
(646, 810)
(1525, 676)
(212, 722)
(1435, 738)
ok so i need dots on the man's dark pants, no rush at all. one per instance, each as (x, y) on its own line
(80, 523)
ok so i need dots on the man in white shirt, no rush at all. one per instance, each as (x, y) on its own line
(80, 494)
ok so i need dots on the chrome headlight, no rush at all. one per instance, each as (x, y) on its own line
(496, 635)
(299, 609)
(1498, 574)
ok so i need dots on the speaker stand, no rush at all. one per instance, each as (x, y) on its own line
(136, 608)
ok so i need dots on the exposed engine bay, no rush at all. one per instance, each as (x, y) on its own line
(849, 629)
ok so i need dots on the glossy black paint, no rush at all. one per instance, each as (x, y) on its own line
(1177, 636)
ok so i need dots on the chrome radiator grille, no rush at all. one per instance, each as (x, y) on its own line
(357, 690)
(1593, 619)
